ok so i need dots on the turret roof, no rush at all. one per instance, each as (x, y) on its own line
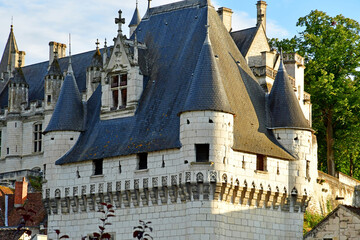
(18, 77)
(10, 47)
(284, 108)
(207, 90)
(69, 111)
(136, 18)
(55, 68)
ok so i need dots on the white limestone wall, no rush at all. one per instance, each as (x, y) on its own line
(135, 86)
(56, 144)
(207, 127)
(259, 45)
(210, 220)
(300, 144)
(14, 137)
(3, 142)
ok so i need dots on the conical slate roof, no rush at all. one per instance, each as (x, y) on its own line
(285, 111)
(10, 47)
(69, 112)
(18, 77)
(54, 69)
(136, 18)
(206, 90)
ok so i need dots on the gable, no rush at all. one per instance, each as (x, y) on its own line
(258, 45)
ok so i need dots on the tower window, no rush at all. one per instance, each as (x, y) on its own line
(98, 167)
(142, 161)
(49, 98)
(202, 152)
(0, 142)
(261, 162)
(37, 137)
(119, 90)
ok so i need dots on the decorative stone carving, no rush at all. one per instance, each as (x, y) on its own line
(127, 184)
(174, 180)
(75, 191)
(101, 187)
(92, 188)
(47, 193)
(213, 176)
(118, 186)
(83, 190)
(164, 180)
(57, 193)
(136, 184)
(109, 187)
(67, 192)
(200, 177)
(145, 183)
(188, 177)
(155, 182)
(224, 178)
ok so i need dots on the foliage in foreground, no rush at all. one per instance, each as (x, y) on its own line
(311, 220)
(331, 48)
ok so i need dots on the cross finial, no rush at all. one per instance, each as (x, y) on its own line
(97, 43)
(12, 23)
(120, 21)
(137, 3)
(105, 43)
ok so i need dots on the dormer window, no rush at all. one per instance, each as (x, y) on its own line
(119, 91)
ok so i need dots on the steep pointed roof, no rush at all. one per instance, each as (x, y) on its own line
(18, 77)
(69, 111)
(54, 69)
(285, 110)
(136, 18)
(244, 38)
(10, 47)
(207, 90)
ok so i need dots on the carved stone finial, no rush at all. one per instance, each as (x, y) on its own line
(105, 43)
(120, 21)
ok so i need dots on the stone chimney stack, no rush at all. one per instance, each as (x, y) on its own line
(226, 17)
(60, 48)
(261, 13)
(21, 191)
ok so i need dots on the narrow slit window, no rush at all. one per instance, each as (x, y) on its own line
(202, 152)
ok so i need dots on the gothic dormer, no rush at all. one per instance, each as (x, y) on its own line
(53, 81)
(18, 91)
(93, 72)
(123, 81)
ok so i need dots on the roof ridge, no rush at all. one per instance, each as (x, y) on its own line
(177, 6)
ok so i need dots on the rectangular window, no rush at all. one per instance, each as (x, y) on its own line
(202, 152)
(98, 167)
(261, 162)
(142, 161)
(119, 91)
(49, 98)
(37, 137)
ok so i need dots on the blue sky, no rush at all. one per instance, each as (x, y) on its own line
(37, 22)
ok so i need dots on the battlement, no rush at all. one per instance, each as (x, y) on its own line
(27, 110)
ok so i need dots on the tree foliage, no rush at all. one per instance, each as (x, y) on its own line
(331, 48)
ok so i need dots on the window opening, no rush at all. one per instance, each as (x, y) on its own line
(119, 91)
(0, 142)
(37, 137)
(142, 161)
(260, 162)
(202, 152)
(98, 167)
(49, 98)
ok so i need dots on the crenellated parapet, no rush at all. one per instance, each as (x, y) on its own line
(181, 188)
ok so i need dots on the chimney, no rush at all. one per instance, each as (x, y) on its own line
(60, 48)
(20, 193)
(226, 17)
(22, 58)
(261, 13)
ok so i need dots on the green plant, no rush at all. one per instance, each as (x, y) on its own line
(36, 183)
(311, 220)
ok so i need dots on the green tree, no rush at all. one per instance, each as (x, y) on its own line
(331, 48)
